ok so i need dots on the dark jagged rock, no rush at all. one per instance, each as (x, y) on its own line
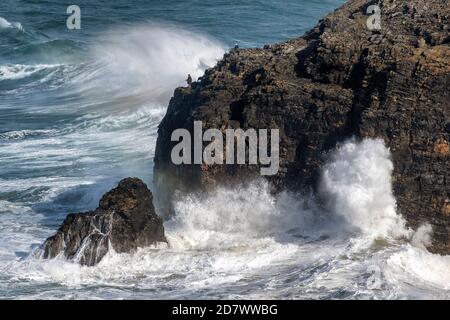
(339, 80)
(124, 221)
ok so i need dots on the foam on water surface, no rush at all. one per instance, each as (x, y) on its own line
(80, 113)
(248, 243)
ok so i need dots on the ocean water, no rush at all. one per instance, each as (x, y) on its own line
(79, 111)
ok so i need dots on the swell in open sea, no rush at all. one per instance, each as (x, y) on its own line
(79, 111)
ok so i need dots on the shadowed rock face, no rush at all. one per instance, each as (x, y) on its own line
(124, 221)
(337, 81)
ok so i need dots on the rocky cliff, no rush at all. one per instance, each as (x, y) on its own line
(124, 221)
(337, 81)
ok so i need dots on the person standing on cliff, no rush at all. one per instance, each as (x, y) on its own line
(189, 80)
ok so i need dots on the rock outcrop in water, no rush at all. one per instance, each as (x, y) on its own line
(124, 221)
(337, 81)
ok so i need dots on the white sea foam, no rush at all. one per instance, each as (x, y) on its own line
(422, 237)
(417, 267)
(153, 59)
(20, 71)
(19, 229)
(21, 134)
(357, 185)
(246, 242)
(5, 24)
(228, 217)
(124, 90)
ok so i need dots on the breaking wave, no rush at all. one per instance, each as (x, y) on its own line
(356, 184)
(19, 71)
(355, 198)
(5, 24)
(247, 242)
(89, 114)
(142, 64)
(153, 59)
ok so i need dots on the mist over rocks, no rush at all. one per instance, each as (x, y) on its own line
(340, 80)
(124, 221)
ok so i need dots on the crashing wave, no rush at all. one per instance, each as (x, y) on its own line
(153, 59)
(20, 71)
(248, 235)
(5, 24)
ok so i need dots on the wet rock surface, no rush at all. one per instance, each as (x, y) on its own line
(339, 80)
(124, 221)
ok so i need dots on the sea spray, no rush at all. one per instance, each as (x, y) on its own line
(420, 267)
(19, 71)
(234, 240)
(153, 59)
(422, 237)
(5, 24)
(356, 184)
(228, 217)
(80, 131)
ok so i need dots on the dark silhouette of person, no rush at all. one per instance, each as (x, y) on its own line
(236, 46)
(189, 79)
